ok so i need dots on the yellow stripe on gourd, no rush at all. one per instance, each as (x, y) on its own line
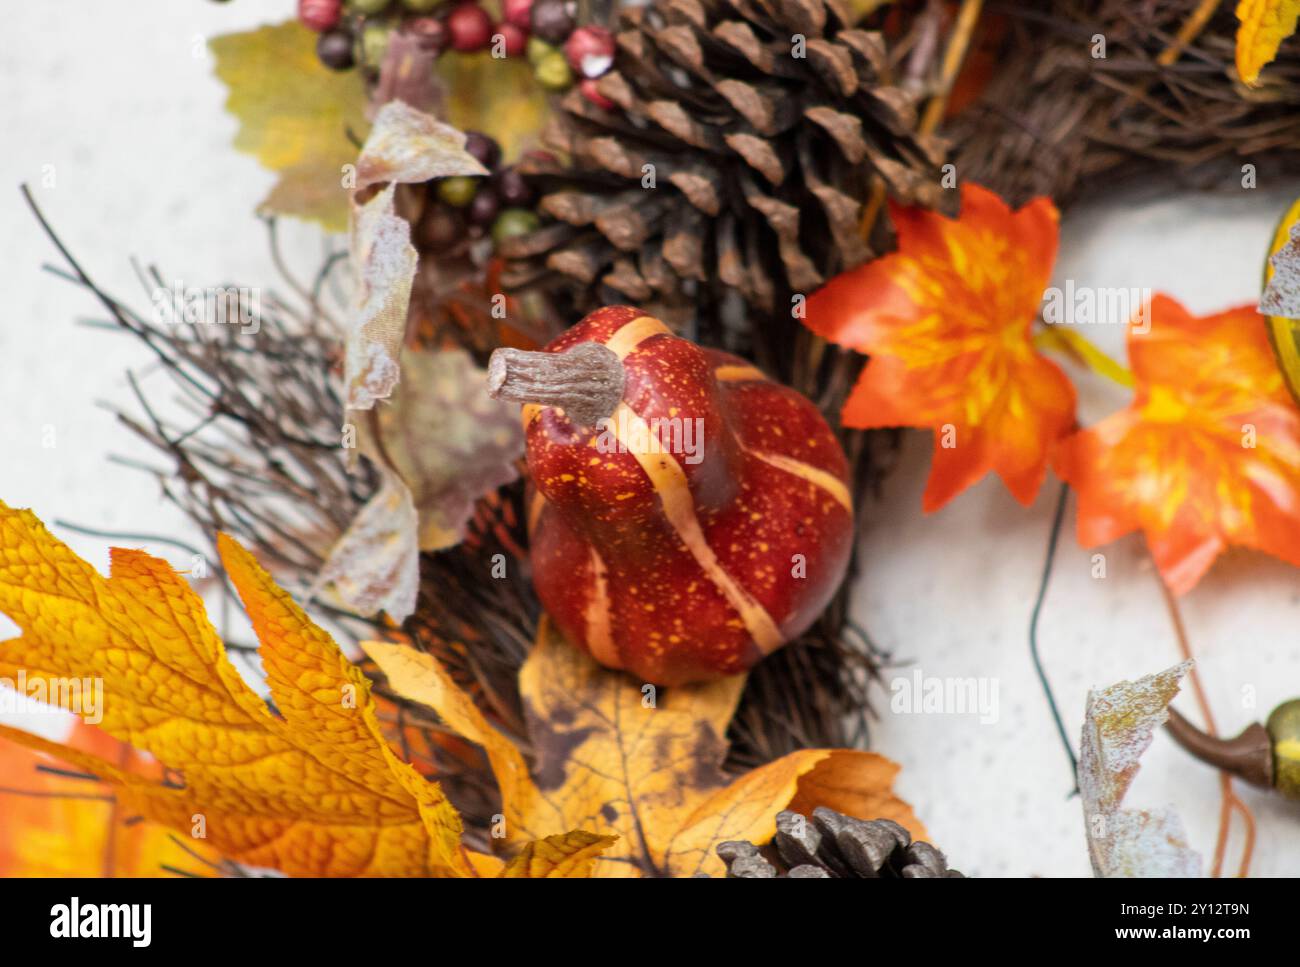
(670, 483)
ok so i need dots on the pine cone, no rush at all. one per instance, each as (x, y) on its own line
(835, 846)
(763, 154)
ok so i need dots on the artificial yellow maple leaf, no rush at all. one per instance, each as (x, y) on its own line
(566, 855)
(313, 789)
(613, 762)
(1264, 25)
(294, 116)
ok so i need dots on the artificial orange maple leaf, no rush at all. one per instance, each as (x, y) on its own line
(1207, 454)
(946, 320)
(58, 825)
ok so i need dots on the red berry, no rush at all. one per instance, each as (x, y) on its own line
(319, 15)
(470, 28)
(589, 90)
(590, 51)
(516, 40)
(517, 13)
(429, 32)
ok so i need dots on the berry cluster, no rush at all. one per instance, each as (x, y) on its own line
(545, 31)
(462, 206)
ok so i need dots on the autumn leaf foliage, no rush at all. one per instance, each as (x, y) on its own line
(1264, 24)
(1206, 456)
(55, 824)
(307, 783)
(641, 767)
(310, 788)
(946, 320)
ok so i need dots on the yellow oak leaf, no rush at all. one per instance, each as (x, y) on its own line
(1264, 25)
(294, 116)
(568, 856)
(309, 788)
(616, 760)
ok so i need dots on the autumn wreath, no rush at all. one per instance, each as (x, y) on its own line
(567, 443)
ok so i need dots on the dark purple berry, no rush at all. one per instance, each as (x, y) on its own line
(334, 48)
(484, 150)
(551, 20)
(483, 209)
(513, 188)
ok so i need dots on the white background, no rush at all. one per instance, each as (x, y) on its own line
(120, 100)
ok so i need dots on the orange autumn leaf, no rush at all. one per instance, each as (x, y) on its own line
(1264, 24)
(646, 773)
(946, 321)
(310, 788)
(59, 825)
(1206, 456)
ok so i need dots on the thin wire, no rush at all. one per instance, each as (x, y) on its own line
(1052, 540)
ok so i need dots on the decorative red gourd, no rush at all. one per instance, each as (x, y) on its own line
(700, 526)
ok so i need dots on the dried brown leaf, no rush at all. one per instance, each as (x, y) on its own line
(384, 260)
(448, 440)
(375, 565)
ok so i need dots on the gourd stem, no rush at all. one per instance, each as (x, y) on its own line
(1249, 756)
(586, 382)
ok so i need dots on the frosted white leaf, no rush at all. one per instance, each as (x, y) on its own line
(409, 146)
(1119, 724)
(374, 566)
(1282, 294)
(384, 261)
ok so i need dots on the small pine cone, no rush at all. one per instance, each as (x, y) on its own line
(765, 124)
(835, 846)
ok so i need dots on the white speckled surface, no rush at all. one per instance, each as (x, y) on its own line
(132, 122)
(951, 594)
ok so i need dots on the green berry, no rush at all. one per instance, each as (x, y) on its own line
(374, 44)
(368, 6)
(458, 191)
(537, 48)
(514, 221)
(553, 72)
(421, 6)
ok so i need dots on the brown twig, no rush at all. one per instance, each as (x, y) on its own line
(1230, 800)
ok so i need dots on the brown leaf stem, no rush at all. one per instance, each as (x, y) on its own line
(1230, 799)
